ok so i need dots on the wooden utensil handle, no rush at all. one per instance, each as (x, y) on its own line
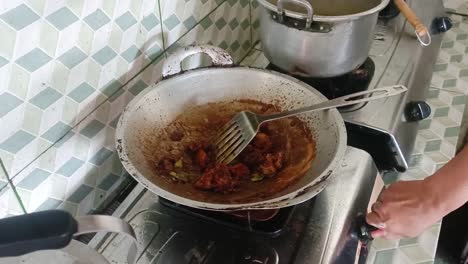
(412, 18)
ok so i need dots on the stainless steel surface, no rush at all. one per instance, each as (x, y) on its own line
(242, 128)
(152, 110)
(305, 4)
(166, 236)
(399, 59)
(104, 223)
(338, 45)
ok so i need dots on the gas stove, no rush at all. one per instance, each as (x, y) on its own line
(381, 136)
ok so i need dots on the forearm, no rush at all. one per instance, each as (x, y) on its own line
(449, 185)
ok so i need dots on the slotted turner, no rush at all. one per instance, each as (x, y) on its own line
(243, 127)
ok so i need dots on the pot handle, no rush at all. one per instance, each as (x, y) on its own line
(422, 33)
(172, 65)
(303, 3)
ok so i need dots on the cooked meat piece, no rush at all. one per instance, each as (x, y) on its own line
(176, 136)
(273, 162)
(218, 179)
(194, 147)
(268, 108)
(262, 142)
(252, 157)
(202, 159)
(239, 171)
(166, 164)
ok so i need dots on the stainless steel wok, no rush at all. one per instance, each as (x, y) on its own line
(153, 109)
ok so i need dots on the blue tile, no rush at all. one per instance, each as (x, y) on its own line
(101, 156)
(80, 194)
(17, 141)
(62, 18)
(126, 20)
(3, 61)
(131, 54)
(114, 122)
(153, 52)
(34, 179)
(45, 98)
(80, 93)
(72, 57)
(64, 139)
(111, 88)
(3, 184)
(92, 129)
(104, 55)
(20, 17)
(190, 22)
(150, 21)
(384, 256)
(138, 87)
(33, 60)
(171, 22)
(107, 183)
(56, 132)
(8, 102)
(116, 95)
(49, 204)
(70, 167)
(97, 19)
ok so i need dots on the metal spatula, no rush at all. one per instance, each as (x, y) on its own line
(243, 127)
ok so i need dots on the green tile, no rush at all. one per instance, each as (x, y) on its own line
(244, 2)
(256, 25)
(235, 46)
(108, 182)
(463, 73)
(440, 112)
(456, 58)
(255, 3)
(116, 95)
(447, 44)
(33, 60)
(126, 20)
(131, 54)
(49, 204)
(20, 17)
(223, 45)
(232, 2)
(80, 193)
(462, 36)
(97, 19)
(206, 23)
(190, 22)
(415, 160)
(114, 122)
(102, 155)
(92, 129)
(452, 132)
(64, 139)
(3, 61)
(45, 98)
(56, 132)
(3, 184)
(433, 93)
(17, 141)
(8, 102)
(424, 124)
(408, 241)
(110, 88)
(62, 18)
(433, 145)
(34, 179)
(245, 24)
(220, 23)
(104, 55)
(459, 100)
(233, 24)
(246, 45)
(72, 57)
(449, 83)
(171, 22)
(150, 21)
(384, 256)
(153, 52)
(218, 2)
(70, 167)
(138, 87)
(80, 93)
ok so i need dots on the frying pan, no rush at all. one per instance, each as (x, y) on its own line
(154, 108)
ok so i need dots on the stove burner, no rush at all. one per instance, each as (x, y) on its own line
(390, 11)
(353, 82)
(269, 223)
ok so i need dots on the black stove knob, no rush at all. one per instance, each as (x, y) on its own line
(362, 230)
(442, 24)
(417, 111)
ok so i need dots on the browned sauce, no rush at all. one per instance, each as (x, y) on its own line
(201, 123)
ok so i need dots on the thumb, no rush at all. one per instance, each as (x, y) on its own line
(374, 219)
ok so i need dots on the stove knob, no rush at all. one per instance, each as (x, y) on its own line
(417, 111)
(362, 230)
(442, 24)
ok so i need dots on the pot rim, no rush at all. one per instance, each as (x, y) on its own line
(303, 194)
(266, 4)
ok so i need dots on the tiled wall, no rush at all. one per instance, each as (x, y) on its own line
(67, 70)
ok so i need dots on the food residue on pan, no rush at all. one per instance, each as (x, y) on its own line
(183, 156)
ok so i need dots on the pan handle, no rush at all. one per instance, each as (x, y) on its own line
(422, 33)
(172, 65)
(303, 3)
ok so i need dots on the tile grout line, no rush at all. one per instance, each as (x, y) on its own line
(13, 187)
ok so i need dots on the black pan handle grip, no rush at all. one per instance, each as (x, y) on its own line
(364, 230)
(44, 230)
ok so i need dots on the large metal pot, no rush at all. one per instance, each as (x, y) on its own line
(153, 109)
(332, 38)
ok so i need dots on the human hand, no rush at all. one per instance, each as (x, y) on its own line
(405, 209)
